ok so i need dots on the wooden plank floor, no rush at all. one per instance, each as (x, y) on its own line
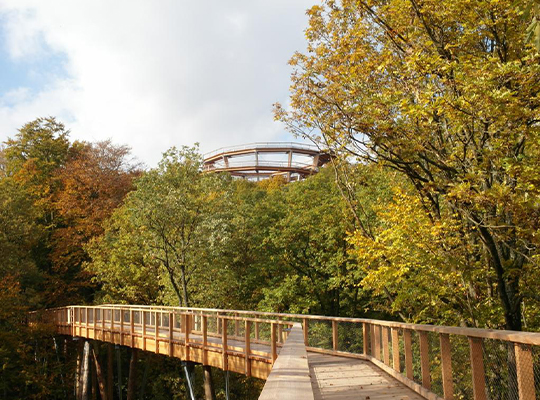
(341, 378)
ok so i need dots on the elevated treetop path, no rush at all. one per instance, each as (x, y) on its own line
(262, 160)
(318, 357)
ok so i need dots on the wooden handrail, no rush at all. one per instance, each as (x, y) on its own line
(289, 378)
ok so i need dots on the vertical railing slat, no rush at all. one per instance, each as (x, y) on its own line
(446, 360)
(225, 364)
(477, 365)
(424, 359)
(306, 332)
(395, 350)
(525, 372)
(334, 335)
(386, 347)
(247, 331)
(273, 344)
(408, 354)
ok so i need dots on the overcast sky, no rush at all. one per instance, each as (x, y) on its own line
(150, 74)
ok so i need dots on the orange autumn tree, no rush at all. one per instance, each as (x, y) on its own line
(93, 182)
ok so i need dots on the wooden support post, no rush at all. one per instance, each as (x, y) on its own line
(386, 347)
(188, 330)
(273, 342)
(236, 325)
(156, 331)
(446, 360)
(377, 342)
(408, 354)
(112, 325)
(395, 350)
(334, 335)
(86, 320)
(132, 327)
(143, 322)
(256, 330)
(477, 365)
(94, 321)
(280, 332)
(171, 334)
(103, 324)
(525, 372)
(247, 332)
(372, 338)
(225, 365)
(110, 372)
(121, 327)
(99, 374)
(205, 339)
(365, 338)
(306, 332)
(424, 359)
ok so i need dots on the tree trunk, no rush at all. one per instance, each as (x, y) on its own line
(94, 379)
(100, 380)
(78, 370)
(132, 381)
(110, 371)
(184, 286)
(209, 392)
(119, 371)
(85, 375)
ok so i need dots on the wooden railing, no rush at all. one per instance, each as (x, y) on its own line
(438, 362)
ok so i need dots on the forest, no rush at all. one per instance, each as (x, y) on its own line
(428, 213)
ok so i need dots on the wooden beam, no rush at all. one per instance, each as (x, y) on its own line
(386, 347)
(408, 354)
(247, 347)
(395, 350)
(225, 365)
(306, 332)
(525, 372)
(446, 360)
(477, 365)
(273, 346)
(335, 335)
(424, 360)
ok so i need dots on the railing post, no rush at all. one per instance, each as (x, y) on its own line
(236, 325)
(247, 332)
(280, 332)
(386, 347)
(156, 331)
(408, 354)
(365, 337)
(188, 330)
(225, 364)
(86, 320)
(395, 350)
(205, 339)
(334, 335)
(112, 325)
(525, 371)
(273, 342)
(424, 360)
(377, 342)
(256, 330)
(477, 365)
(121, 327)
(103, 324)
(171, 334)
(94, 321)
(306, 332)
(143, 323)
(132, 327)
(446, 360)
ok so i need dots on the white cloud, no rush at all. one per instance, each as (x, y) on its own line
(154, 74)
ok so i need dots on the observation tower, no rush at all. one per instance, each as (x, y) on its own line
(256, 161)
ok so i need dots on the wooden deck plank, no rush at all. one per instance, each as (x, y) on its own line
(341, 378)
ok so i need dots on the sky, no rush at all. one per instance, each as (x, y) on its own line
(150, 74)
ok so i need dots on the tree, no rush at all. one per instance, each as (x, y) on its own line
(445, 92)
(92, 183)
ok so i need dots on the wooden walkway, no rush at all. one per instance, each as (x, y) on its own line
(342, 378)
(280, 349)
